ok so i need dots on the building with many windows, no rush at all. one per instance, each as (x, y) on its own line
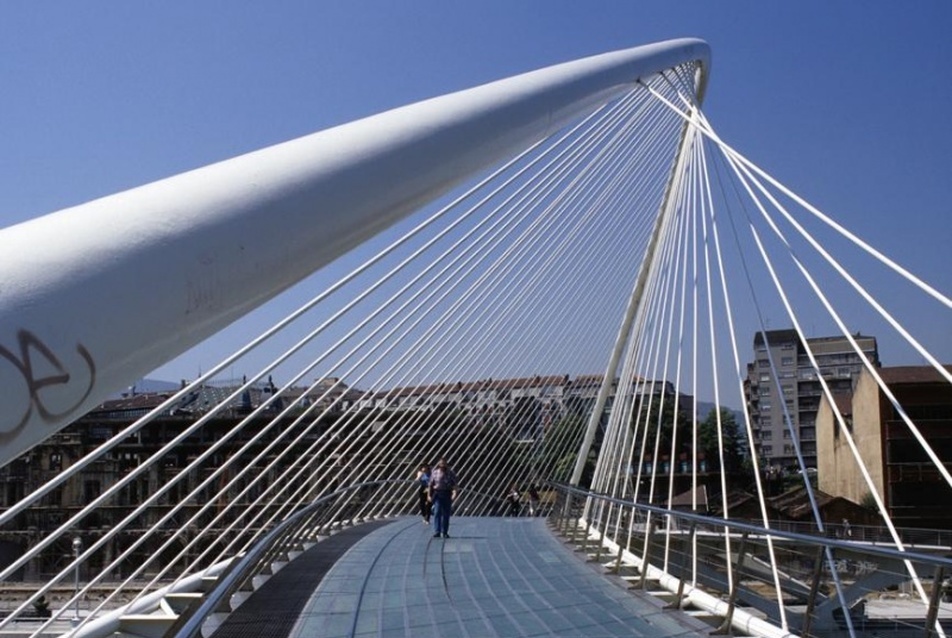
(902, 474)
(518, 410)
(784, 389)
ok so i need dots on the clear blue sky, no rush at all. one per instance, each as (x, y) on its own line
(847, 102)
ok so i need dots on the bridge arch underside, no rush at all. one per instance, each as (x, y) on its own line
(563, 321)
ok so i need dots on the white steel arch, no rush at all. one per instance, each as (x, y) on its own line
(98, 295)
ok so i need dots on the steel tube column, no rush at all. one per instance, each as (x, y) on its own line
(633, 310)
(96, 296)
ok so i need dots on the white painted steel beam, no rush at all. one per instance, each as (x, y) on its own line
(96, 296)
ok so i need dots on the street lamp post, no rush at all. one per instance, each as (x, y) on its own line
(77, 548)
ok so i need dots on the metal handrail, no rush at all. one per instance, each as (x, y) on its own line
(241, 569)
(750, 532)
(741, 527)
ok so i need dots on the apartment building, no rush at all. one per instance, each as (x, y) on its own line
(784, 389)
(523, 408)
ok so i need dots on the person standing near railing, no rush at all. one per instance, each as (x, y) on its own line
(442, 490)
(514, 499)
(423, 487)
(533, 500)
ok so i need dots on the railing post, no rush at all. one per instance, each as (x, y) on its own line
(814, 588)
(553, 518)
(679, 596)
(933, 613)
(646, 559)
(616, 569)
(601, 535)
(725, 627)
(585, 538)
(621, 550)
(601, 541)
(566, 515)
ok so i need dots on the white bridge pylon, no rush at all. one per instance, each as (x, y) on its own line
(96, 296)
(574, 260)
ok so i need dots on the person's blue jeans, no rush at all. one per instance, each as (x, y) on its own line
(442, 508)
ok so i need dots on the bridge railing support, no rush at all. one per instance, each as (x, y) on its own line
(933, 613)
(682, 577)
(725, 627)
(814, 589)
(810, 555)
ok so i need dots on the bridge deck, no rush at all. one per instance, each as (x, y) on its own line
(493, 577)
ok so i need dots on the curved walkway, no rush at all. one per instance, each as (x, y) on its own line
(494, 577)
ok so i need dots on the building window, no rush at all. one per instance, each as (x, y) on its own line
(91, 490)
(767, 450)
(54, 498)
(786, 361)
(100, 433)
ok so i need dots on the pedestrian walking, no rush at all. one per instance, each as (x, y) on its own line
(533, 500)
(514, 499)
(442, 491)
(423, 487)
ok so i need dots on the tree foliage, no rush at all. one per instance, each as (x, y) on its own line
(681, 426)
(730, 435)
(559, 451)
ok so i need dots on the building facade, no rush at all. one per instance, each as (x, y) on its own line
(520, 410)
(908, 481)
(784, 390)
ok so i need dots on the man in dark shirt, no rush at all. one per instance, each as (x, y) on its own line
(442, 493)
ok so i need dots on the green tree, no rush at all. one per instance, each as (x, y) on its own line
(707, 440)
(664, 422)
(556, 458)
